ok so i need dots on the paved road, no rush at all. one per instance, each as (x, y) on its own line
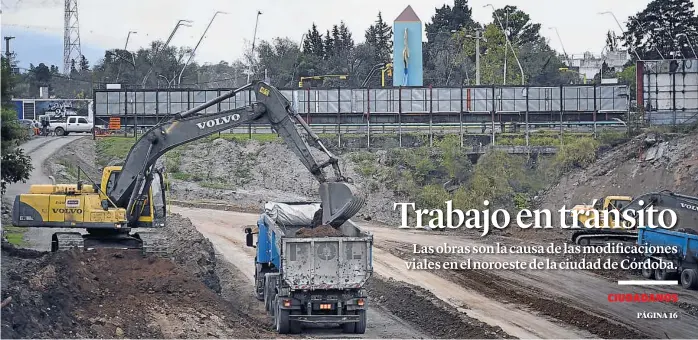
(40, 149)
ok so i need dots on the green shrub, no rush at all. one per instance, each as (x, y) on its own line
(579, 154)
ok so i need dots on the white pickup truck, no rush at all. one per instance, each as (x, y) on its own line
(71, 124)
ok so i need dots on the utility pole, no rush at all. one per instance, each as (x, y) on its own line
(506, 30)
(8, 54)
(478, 36)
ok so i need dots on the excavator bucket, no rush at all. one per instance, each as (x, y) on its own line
(339, 202)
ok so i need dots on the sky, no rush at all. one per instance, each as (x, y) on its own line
(38, 24)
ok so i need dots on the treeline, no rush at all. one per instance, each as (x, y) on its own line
(448, 54)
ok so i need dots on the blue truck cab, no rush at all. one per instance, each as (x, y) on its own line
(310, 280)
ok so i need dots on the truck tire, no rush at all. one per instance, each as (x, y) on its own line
(360, 327)
(295, 327)
(689, 279)
(648, 273)
(349, 327)
(267, 295)
(59, 131)
(283, 322)
(662, 274)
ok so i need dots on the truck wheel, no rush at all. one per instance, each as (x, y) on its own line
(59, 131)
(351, 326)
(267, 295)
(648, 273)
(283, 322)
(361, 325)
(689, 279)
(295, 327)
(661, 274)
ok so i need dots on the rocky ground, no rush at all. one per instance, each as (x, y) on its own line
(116, 294)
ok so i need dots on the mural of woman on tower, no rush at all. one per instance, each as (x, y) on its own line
(407, 49)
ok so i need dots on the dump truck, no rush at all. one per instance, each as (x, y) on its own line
(307, 277)
(684, 262)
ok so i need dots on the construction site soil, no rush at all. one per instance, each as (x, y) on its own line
(112, 294)
(422, 309)
(508, 291)
(107, 293)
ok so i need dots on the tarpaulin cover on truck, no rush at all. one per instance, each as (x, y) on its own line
(291, 214)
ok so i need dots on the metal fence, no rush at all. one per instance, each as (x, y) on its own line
(668, 91)
(388, 105)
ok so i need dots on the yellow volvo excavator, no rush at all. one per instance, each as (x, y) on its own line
(124, 199)
(622, 230)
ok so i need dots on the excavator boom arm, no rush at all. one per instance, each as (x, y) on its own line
(664, 199)
(270, 106)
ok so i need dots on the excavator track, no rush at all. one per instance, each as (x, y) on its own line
(62, 241)
(154, 243)
(592, 237)
(151, 243)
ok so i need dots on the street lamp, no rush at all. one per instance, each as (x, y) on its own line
(689, 43)
(508, 42)
(191, 55)
(561, 44)
(621, 29)
(186, 23)
(254, 38)
(478, 36)
(118, 72)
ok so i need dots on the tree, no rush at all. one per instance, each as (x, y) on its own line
(16, 166)
(492, 63)
(518, 24)
(313, 43)
(659, 27)
(447, 19)
(84, 64)
(380, 37)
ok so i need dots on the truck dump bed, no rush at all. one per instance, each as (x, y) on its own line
(312, 263)
(686, 243)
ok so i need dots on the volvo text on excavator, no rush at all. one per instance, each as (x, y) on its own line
(684, 206)
(124, 199)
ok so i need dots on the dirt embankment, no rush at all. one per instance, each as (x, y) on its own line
(647, 163)
(114, 293)
(425, 311)
(80, 154)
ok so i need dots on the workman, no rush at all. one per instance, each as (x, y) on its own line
(44, 126)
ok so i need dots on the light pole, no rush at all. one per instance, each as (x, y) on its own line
(506, 33)
(478, 36)
(523, 80)
(561, 44)
(186, 23)
(689, 43)
(621, 29)
(191, 55)
(118, 72)
(254, 37)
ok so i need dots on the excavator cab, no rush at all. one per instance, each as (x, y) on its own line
(154, 206)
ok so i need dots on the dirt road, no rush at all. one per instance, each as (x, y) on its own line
(229, 240)
(588, 292)
(40, 149)
(225, 230)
